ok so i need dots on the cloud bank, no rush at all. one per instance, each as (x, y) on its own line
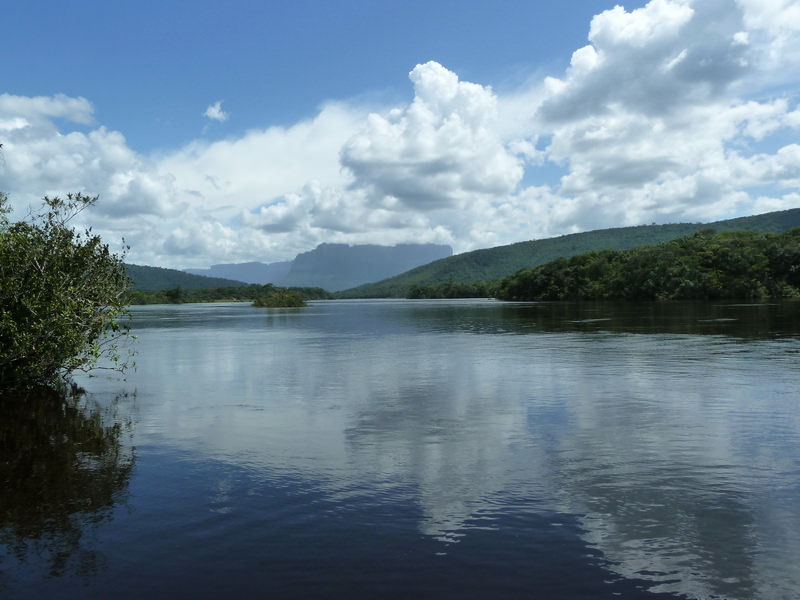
(680, 110)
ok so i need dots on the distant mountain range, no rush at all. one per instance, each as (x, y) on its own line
(333, 267)
(249, 272)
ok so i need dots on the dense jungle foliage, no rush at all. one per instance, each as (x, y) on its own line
(62, 296)
(705, 265)
(449, 289)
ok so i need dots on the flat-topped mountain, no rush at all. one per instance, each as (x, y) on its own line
(339, 266)
(333, 266)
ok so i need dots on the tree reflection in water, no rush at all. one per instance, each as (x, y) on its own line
(63, 467)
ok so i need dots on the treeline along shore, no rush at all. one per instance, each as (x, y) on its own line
(705, 265)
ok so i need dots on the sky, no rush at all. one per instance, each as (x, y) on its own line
(256, 130)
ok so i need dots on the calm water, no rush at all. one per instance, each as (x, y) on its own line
(416, 449)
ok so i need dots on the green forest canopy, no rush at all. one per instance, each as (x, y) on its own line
(705, 265)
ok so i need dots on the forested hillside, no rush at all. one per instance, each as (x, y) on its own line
(156, 278)
(495, 263)
(702, 266)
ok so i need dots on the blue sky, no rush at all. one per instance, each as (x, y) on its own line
(255, 130)
(151, 68)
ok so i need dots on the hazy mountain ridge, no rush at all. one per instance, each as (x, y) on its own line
(333, 266)
(339, 266)
(249, 272)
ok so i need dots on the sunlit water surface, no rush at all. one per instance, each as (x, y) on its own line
(441, 449)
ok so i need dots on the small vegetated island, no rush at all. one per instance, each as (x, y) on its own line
(277, 297)
(265, 296)
(705, 265)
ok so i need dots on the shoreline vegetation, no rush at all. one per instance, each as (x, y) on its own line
(706, 265)
(62, 297)
(703, 266)
(268, 295)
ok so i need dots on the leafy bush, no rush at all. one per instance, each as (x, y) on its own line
(61, 296)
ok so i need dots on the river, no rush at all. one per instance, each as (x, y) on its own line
(428, 449)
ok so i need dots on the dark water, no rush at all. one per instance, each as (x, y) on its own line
(415, 449)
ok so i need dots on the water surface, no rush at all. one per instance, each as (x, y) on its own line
(441, 449)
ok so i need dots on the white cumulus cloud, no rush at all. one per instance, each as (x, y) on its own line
(682, 110)
(440, 150)
(215, 112)
(652, 120)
